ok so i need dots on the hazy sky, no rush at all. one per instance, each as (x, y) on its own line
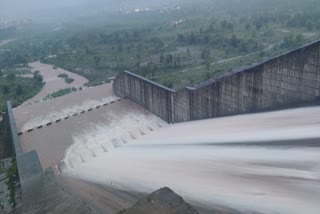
(36, 4)
(14, 8)
(22, 8)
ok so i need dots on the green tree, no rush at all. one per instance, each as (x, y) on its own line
(309, 26)
(86, 50)
(11, 77)
(168, 83)
(234, 41)
(19, 90)
(224, 24)
(230, 26)
(97, 60)
(208, 66)
(299, 39)
(162, 58)
(37, 76)
(5, 89)
(169, 59)
(205, 55)
(138, 61)
(248, 26)
(120, 48)
(258, 24)
(208, 70)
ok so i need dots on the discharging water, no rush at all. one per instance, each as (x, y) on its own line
(266, 162)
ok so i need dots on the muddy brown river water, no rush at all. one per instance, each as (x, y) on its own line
(53, 82)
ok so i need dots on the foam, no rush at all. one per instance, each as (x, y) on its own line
(270, 179)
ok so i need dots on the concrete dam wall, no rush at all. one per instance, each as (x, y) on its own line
(289, 79)
(28, 164)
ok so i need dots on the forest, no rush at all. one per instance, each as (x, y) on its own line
(177, 45)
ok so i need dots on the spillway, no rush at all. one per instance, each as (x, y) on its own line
(266, 163)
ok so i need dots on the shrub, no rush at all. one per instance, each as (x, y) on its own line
(5, 89)
(69, 80)
(19, 90)
(11, 77)
(63, 76)
(38, 76)
(60, 93)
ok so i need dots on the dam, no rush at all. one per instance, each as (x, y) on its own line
(283, 81)
(101, 149)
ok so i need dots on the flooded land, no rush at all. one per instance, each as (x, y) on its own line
(53, 82)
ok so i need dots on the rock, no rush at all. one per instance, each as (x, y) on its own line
(163, 201)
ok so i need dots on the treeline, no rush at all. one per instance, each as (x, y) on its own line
(16, 88)
(217, 41)
(310, 21)
(11, 82)
(28, 50)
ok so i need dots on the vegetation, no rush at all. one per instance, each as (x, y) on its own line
(66, 78)
(175, 46)
(5, 146)
(69, 80)
(13, 176)
(16, 88)
(63, 76)
(60, 93)
(184, 48)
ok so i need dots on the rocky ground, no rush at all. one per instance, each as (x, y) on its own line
(163, 201)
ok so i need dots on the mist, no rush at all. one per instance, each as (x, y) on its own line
(19, 8)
